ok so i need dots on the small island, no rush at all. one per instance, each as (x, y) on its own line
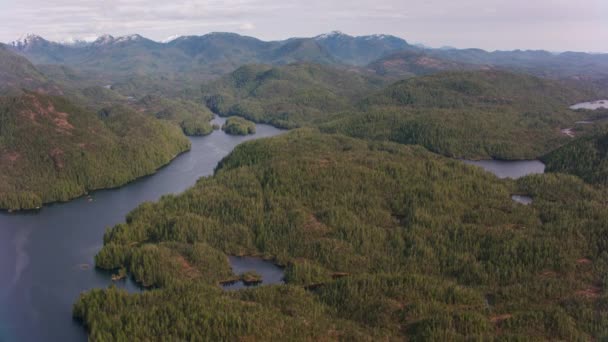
(251, 278)
(238, 126)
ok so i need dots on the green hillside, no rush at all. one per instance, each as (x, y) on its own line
(480, 114)
(52, 150)
(288, 96)
(193, 118)
(17, 73)
(405, 64)
(380, 242)
(585, 157)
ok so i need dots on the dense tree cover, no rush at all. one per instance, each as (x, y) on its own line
(586, 157)
(287, 96)
(480, 114)
(380, 240)
(467, 114)
(193, 118)
(17, 73)
(52, 150)
(412, 63)
(238, 126)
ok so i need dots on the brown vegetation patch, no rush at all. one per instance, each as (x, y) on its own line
(29, 114)
(583, 261)
(430, 62)
(548, 274)
(37, 109)
(500, 318)
(337, 275)
(591, 292)
(60, 118)
(187, 268)
(63, 124)
(11, 156)
(57, 155)
(325, 162)
(313, 225)
(393, 63)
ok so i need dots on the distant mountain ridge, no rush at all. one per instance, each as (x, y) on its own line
(215, 54)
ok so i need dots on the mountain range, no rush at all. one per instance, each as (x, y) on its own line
(215, 54)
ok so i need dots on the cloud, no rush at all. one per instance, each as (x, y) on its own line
(550, 24)
(247, 27)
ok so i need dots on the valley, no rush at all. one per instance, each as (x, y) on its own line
(335, 187)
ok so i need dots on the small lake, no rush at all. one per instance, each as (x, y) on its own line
(271, 273)
(46, 256)
(525, 200)
(593, 105)
(510, 169)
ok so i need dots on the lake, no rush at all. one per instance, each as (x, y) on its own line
(521, 199)
(593, 105)
(46, 256)
(271, 273)
(510, 168)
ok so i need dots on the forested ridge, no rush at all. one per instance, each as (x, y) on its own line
(288, 96)
(467, 114)
(194, 118)
(586, 157)
(476, 115)
(427, 249)
(52, 150)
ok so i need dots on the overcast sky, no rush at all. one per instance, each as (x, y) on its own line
(557, 25)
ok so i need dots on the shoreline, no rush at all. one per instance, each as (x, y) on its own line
(87, 192)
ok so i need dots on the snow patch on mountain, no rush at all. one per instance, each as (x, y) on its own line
(26, 41)
(333, 34)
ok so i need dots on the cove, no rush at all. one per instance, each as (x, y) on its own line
(46, 256)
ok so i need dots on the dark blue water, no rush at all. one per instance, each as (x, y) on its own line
(46, 257)
(271, 273)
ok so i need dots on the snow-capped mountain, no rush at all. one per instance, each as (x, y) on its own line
(26, 41)
(333, 34)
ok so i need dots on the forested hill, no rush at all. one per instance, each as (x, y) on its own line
(288, 96)
(53, 150)
(380, 242)
(406, 64)
(17, 73)
(480, 89)
(585, 157)
(476, 114)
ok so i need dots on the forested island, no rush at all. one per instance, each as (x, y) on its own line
(238, 126)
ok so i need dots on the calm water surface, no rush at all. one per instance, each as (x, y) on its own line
(46, 257)
(510, 169)
(271, 273)
(593, 105)
(525, 200)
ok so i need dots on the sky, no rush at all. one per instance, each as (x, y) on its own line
(555, 25)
